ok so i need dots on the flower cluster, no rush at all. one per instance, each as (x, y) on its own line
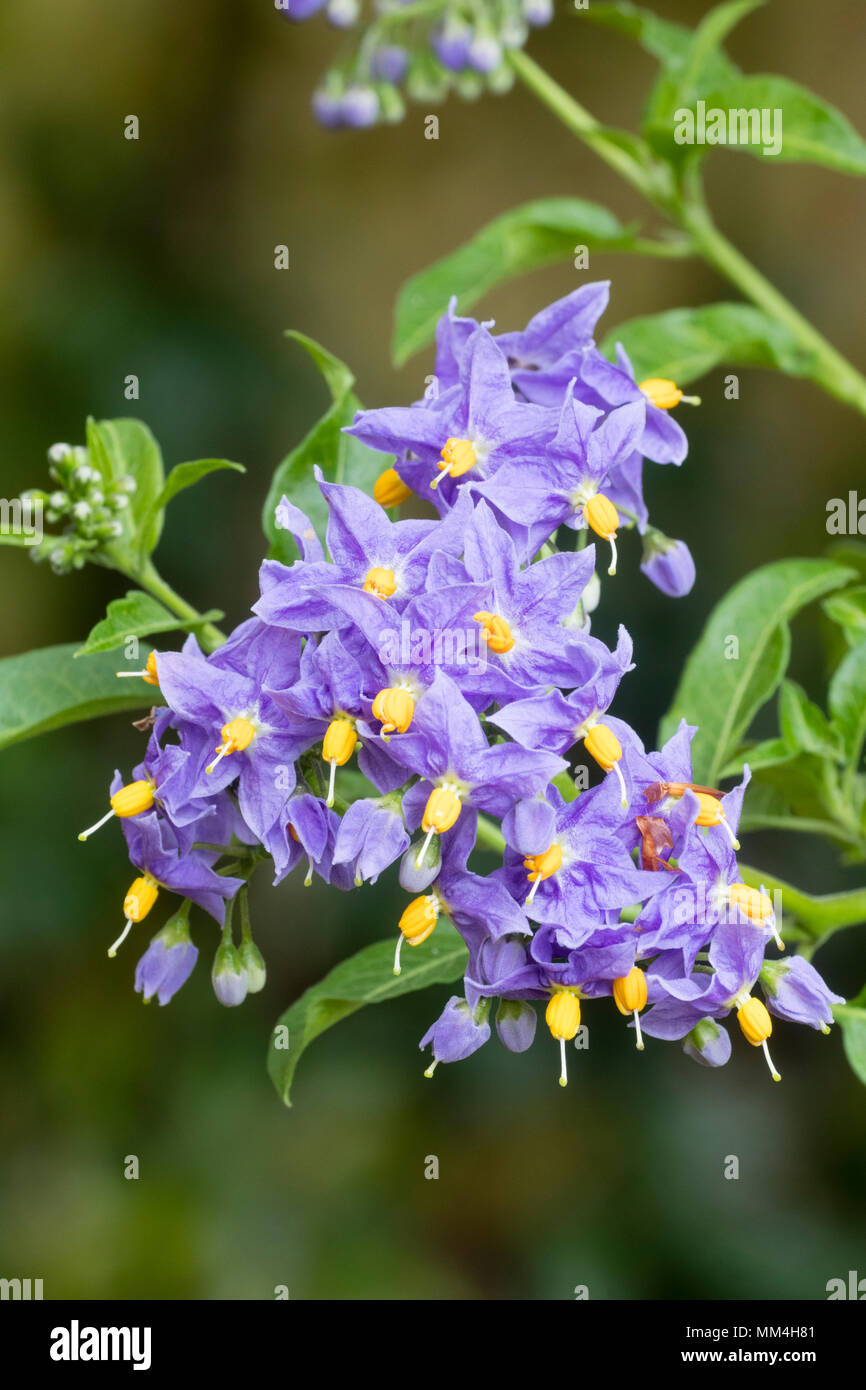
(421, 49)
(418, 690)
(84, 502)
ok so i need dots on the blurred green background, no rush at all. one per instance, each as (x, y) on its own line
(156, 258)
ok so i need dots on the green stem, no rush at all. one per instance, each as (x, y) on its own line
(150, 579)
(490, 836)
(820, 916)
(688, 210)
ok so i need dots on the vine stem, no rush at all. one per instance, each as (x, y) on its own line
(687, 209)
(150, 579)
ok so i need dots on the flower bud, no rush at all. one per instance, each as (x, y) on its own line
(252, 962)
(515, 1023)
(668, 564)
(229, 978)
(419, 867)
(168, 961)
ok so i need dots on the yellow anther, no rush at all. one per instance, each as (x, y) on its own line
(140, 898)
(338, 745)
(389, 489)
(757, 1027)
(416, 923)
(629, 995)
(237, 735)
(755, 1021)
(131, 800)
(629, 992)
(600, 514)
(380, 582)
(602, 744)
(148, 674)
(497, 633)
(562, 1017)
(442, 809)
(562, 1014)
(395, 708)
(458, 456)
(541, 866)
(756, 906)
(665, 393)
(711, 812)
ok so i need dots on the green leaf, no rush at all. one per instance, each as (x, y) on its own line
(533, 235)
(848, 609)
(770, 752)
(741, 657)
(683, 344)
(365, 978)
(666, 41)
(182, 476)
(342, 458)
(852, 1021)
(136, 615)
(810, 129)
(804, 726)
(47, 689)
(127, 447)
(700, 66)
(847, 703)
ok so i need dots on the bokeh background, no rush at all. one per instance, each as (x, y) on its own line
(156, 258)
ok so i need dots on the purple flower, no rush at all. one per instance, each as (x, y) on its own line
(168, 961)
(451, 42)
(668, 564)
(389, 63)
(371, 836)
(708, 1043)
(154, 850)
(456, 1034)
(794, 990)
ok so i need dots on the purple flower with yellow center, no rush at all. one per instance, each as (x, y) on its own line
(526, 630)
(573, 482)
(436, 631)
(608, 385)
(470, 433)
(556, 722)
(388, 559)
(168, 961)
(155, 853)
(481, 908)
(584, 874)
(244, 736)
(562, 330)
(736, 956)
(448, 749)
(329, 702)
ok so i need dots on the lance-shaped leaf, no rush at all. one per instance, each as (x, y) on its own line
(182, 476)
(683, 344)
(47, 689)
(342, 458)
(533, 235)
(137, 615)
(365, 978)
(847, 704)
(126, 448)
(799, 126)
(742, 656)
